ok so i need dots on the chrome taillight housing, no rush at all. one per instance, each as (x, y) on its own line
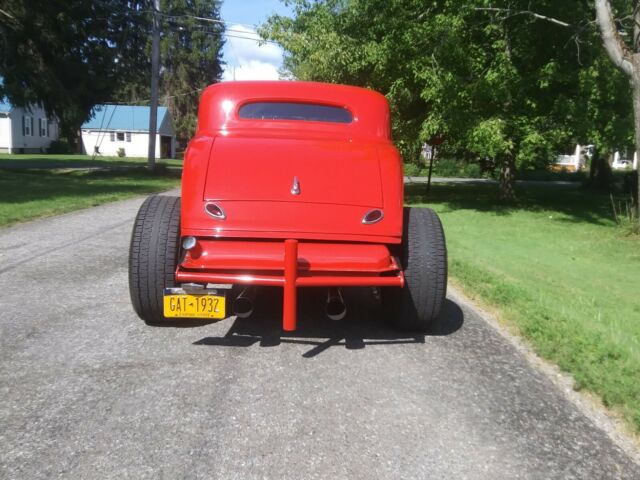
(215, 210)
(373, 216)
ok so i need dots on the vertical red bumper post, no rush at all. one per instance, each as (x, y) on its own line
(289, 320)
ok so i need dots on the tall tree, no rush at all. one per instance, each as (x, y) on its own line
(190, 59)
(625, 54)
(69, 55)
(491, 81)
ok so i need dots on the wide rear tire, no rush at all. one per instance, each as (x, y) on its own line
(153, 256)
(424, 259)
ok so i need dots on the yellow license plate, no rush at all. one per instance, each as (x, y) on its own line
(194, 306)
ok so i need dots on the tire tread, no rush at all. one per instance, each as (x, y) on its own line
(153, 255)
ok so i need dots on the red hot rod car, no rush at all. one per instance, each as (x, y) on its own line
(289, 184)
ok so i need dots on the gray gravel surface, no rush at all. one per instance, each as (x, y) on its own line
(88, 391)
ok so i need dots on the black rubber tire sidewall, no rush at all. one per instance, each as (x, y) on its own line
(424, 260)
(153, 255)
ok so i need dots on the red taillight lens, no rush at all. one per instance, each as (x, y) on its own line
(215, 211)
(372, 216)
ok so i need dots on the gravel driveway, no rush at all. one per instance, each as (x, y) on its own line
(88, 391)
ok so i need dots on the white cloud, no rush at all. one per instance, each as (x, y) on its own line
(247, 58)
(251, 70)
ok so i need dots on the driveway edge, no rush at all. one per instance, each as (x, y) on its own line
(588, 404)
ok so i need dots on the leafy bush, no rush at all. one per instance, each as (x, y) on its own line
(411, 170)
(121, 152)
(536, 152)
(60, 146)
(448, 167)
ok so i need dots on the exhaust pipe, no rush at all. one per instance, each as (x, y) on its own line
(335, 307)
(243, 304)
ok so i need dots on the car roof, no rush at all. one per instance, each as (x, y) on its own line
(220, 102)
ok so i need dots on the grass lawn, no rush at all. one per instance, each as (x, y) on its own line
(560, 271)
(33, 193)
(75, 161)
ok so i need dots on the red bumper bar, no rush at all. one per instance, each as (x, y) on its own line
(293, 278)
(290, 294)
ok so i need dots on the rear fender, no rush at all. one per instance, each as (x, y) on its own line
(194, 168)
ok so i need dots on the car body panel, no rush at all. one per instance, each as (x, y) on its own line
(327, 171)
(250, 166)
(247, 255)
(292, 194)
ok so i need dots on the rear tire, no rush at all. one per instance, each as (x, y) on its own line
(424, 259)
(153, 256)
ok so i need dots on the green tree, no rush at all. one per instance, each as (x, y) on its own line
(491, 81)
(624, 53)
(190, 59)
(69, 55)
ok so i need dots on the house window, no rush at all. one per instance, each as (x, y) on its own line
(27, 126)
(112, 136)
(120, 136)
(128, 136)
(42, 124)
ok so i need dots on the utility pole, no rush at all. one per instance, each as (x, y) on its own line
(155, 73)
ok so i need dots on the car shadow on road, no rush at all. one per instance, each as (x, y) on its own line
(363, 326)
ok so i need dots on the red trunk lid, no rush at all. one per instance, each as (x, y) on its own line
(338, 172)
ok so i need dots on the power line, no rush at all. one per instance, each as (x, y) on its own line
(146, 101)
(210, 20)
(233, 35)
(236, 33)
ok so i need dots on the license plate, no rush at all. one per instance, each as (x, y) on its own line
(184, 305)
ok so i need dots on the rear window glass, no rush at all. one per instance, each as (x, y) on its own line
(309, 112)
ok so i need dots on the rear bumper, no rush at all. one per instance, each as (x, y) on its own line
(289, 264)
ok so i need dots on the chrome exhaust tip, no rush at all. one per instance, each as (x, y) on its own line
(243, 304)
(335, 307)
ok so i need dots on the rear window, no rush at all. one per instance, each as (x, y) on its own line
(309, 112)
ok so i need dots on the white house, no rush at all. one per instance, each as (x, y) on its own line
(575, 162)
(123, 130)
(26, 130)
(620, 163)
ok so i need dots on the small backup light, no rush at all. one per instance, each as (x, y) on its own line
(372, 216)
(215, 211)
(189, 242)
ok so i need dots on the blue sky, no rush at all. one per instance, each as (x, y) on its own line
(246, 59)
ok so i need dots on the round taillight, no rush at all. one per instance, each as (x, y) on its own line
(215, 211)
(372, 216)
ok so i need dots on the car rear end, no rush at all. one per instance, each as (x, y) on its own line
(293, 185)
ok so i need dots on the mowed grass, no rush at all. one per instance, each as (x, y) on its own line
(33, 193)
(560, 271)
(75, 161)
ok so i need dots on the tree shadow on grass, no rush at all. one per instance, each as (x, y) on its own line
(26, 162)
(574, 204)
(33, 185)
(362, 327)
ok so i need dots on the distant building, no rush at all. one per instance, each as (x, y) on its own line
(620, 163)
(26, 130)
(123, 130)
(575, 162)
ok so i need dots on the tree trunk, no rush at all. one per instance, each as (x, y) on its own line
(635, 86)
(626, 59)
(430, 171)
(507, 179)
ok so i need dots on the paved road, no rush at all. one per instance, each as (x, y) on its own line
(87, 391)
